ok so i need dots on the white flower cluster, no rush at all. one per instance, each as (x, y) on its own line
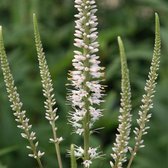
(79, 152)
(86, 75)
(87, 163)
(86, 93)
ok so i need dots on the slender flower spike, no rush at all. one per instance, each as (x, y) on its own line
(86, 94)
(47, 91)
(16, 105)
(121, 145)
(147, 103)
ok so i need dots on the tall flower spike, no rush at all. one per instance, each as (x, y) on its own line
(16, 105)
(47, 91)
(147, 103)
(87, 91)
(121, 145)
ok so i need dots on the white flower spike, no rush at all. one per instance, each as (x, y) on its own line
(86, 93)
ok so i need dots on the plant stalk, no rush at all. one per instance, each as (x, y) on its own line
(57, 148)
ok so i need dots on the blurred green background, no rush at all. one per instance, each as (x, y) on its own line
(131, 19)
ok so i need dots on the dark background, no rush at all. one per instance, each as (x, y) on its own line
(131, 19)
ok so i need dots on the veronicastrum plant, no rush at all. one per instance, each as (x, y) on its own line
(85, 94)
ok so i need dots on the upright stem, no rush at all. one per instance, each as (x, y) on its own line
(54, 129)
(39, 163)
(137, 144)
(57, 148)
(35, 152)
(73, 159)
(132, 157)
(87, 75)
(86, 136)
(86, 119)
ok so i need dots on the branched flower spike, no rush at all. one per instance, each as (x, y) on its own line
(47, 91)
(121, 145)
(16, 105)
(147, 103)
(87, 91)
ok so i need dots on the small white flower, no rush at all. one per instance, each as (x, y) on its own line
(93, 152)
(79, 151)
(95, 113)
(79, 131)
(40, 154)
(87, 163)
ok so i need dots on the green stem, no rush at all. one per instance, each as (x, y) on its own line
(73, 159)
(57, 148)
(33, 147)
(86, 122)
(54, 129)
(133, 153)
(132, 157)
(86, 136)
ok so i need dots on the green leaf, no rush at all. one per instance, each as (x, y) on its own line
(8, 150)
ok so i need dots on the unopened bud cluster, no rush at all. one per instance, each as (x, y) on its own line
(122, 138)
(16, 104)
